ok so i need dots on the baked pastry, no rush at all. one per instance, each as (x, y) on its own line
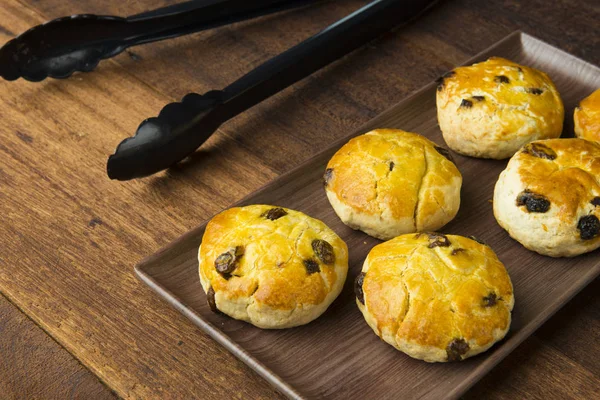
(587, 117)
(435, 297)
(271, 266)
(388, 182)
(491, 109)
(548, 197)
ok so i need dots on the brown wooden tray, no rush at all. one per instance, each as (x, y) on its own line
(338, 356)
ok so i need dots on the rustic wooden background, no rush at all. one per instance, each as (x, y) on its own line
(75, 322)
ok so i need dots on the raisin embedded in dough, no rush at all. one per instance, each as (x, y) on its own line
(456, 349)
(438, 240)
(275, 213)
(466, 103)
(311, 266)
(358, 287)
(540, 150)
(534, 91)
(534, 202)
(323, 251)
(589, 227)
(490, 300)
(226, 263)
(210, 298)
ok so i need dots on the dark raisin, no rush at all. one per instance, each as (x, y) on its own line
(466, 104)
(533, 202)
(456, 349)
(456, 251)
(478, 98)
(210, 297)
(441, 80)
(438, 240)
(327, 176)
(490, 300)
(589, 227)
(227, 262)
(324, 251)
(540, 150)
(392, 165)
(274, 213)
(501, 79)
(478, 240)
(358, 287)
(596, 201)
(311, 266)
(444, 152)
(535, 91)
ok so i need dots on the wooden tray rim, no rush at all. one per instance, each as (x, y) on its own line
(507, 346)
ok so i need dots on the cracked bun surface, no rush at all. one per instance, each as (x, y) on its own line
(493, 108)
(388, 182)
(271, 266)
(435, 297)
(548, 197)
(587, 117)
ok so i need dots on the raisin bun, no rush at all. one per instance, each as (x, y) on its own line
(388, 182)
(548, 197)
(270, 266)
(493, 108)
(435, 297)
(587, 117)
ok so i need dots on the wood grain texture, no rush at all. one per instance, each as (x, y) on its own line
(35, 367)
(69, 236)
(337, 356)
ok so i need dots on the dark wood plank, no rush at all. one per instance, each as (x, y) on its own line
(35, 367)
(69, 255)
(70, 236)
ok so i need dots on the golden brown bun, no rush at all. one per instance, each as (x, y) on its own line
(271, 266)
(435, 297)
(491, 109)
(548, 197)
(587, 117)
(388, 182)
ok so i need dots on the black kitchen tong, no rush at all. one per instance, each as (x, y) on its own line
(181, 128)
(79, 42)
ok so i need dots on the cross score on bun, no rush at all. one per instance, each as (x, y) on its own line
(388, 182)
(491, 109)
(548, 197)
(435, 297)
(271, 266)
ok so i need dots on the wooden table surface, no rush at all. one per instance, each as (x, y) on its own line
(75, 322)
